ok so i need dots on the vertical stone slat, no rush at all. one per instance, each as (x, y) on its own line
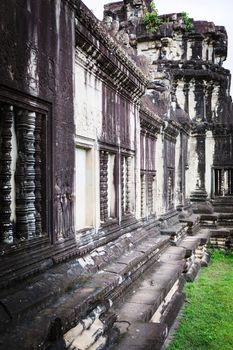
(170, 185)
(25, 175)
(125, 184)
(123, 179)
(150, 193)
(31, 173)
(38, 195)
(219, 181)
(222, 191)
(143, 194)
(6, 229)
(128, 187)
(103, 186)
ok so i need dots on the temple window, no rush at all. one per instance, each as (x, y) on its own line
(125, 183)
(222, 182)
(84, 188)
(107, 185)
(22, 173)
(170, 188)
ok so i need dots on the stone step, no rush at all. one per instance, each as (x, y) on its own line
(23, 260)
(222, 238)
(151, 306)
(72, 306)
(191, 243)
(193, 222)
(176, 232)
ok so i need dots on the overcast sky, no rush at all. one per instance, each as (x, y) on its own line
(218, 11)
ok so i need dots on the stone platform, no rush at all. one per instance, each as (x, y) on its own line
(136, 279)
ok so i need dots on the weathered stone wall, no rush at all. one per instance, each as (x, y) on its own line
(36, 54)
(185, 71)
(138, 145)
(106, 118)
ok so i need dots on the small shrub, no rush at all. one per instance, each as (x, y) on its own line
(187, 21)
(151, 18)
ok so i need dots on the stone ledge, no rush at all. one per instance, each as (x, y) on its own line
(83, 297)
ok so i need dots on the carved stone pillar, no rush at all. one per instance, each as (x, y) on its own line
(30, 154)
(222, 190)
(186, 96)
(25, 175)
(199, 97)
(143, 194)
(150, 194)
(209, 92)
(128, 181)
(170, 189)
(123, 183)
(6, 229)
(38, 195)
(103, 186)
(199, 195)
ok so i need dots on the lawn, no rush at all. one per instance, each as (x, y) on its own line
(207, 319)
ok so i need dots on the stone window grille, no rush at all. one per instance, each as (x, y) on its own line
(170, 188)
(125, 183)
(22, 173)
(223, 182)
(107, 185)
(143, 194)
(151, 193)
(148, 193)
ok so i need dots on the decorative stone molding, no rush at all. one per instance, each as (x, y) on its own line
(171, 130)
(149, 120)
(107, 55)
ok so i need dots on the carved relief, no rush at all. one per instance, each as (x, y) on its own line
(63, 205)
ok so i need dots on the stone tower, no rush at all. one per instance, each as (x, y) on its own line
(185, 69)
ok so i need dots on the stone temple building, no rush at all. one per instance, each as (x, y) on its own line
(116, 170)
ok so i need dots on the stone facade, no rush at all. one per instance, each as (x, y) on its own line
(112, 139)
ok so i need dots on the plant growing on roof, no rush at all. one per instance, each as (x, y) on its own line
(151, 18)
(187, 21)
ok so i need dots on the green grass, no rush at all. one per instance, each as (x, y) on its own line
(207, 320)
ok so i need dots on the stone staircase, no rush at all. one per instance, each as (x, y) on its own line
(220, 223)
(102, 299)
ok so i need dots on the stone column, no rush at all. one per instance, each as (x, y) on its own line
(150, 194)
(103, 186)
(208, 106)
(25, 175)
(38, 175)
(160, 174)
(186, 96)
(6, 229)
(199, 98)
(143, 195)
(199, 195)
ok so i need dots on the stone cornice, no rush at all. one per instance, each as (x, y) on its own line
(149, 120)
(196, 68)
(171, 130)
(109, 58)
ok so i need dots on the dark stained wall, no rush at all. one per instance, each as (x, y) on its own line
(36, 58)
